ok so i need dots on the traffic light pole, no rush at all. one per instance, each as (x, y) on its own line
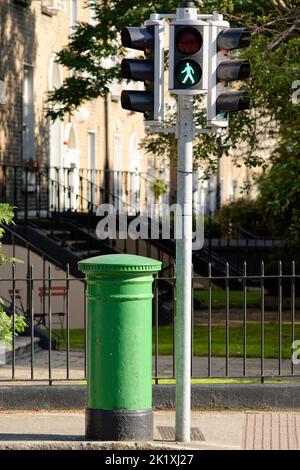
(184, 267)
(195, 41)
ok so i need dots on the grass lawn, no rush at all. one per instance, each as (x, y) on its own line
(165, 340)
(212, 381)
(220, 381)
(236, 298)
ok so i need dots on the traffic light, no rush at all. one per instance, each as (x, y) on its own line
(150, 70)
(188, 57)
(223, 70)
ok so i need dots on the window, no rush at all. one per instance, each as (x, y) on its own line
(230, 189)
(56, 127)
(2, 92)
(118, 189)
(28, 114)
(52, 7)
(91, 150)
(92, 166)
(134, 168)
(25, 3)
(93, 19)
(116, 89)
(264, 141)
(73, 14)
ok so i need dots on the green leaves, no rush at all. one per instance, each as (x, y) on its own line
(6, 214)
(6, 217)
(6, 322)
(280, 195)
(6, 326)
(159, 188)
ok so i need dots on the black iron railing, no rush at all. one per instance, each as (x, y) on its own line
(245, 334)
(37, 190)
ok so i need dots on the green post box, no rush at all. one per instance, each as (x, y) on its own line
(119, 293)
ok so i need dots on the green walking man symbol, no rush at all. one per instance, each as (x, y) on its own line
(189, 71)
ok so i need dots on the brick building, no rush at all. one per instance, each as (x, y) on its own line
(100, 136)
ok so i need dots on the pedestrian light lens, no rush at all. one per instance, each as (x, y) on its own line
(188, 41)
(188, 73)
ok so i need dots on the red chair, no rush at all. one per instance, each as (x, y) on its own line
(54, 291)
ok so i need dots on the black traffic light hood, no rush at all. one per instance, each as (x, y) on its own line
(234, 38)
(138, 101)
(233, 101)
(137, 38)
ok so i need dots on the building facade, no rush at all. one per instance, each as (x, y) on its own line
(93, 156)
(94, 152)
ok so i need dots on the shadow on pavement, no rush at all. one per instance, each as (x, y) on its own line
(40, 437)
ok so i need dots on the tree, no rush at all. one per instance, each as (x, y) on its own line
(274, 54)
(158, 188)
(279, 194)
(279, 186)
(6, 322)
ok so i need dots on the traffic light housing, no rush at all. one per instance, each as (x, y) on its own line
(150, 70)
(221, 101)
(188, 57)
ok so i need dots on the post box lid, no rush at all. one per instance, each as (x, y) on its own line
(119, 263)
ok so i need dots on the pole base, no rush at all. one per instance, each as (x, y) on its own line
(119, 425)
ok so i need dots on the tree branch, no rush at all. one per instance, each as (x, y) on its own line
(280, 6)
(283, 36)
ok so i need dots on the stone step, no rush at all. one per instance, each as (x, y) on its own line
(22, 348)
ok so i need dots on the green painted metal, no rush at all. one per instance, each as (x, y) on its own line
(119, 331)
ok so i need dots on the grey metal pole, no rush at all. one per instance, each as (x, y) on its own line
(184, 222)
(184, 268)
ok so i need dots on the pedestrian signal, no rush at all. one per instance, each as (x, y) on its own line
(187, 74)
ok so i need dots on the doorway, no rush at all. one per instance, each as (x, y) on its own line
(56, 172)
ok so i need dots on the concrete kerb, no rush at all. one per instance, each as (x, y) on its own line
(106, 445)
(204, 396)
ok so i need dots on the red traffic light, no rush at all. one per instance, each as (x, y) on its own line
(188, 40)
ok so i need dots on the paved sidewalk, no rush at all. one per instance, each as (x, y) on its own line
(165, 366)
(213, 430)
